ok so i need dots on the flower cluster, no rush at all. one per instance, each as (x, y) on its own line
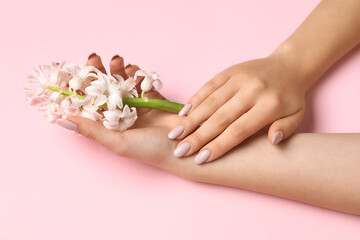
(69, 90)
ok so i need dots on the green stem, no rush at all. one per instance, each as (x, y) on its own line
(159, 104)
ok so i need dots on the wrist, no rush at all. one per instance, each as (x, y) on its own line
(302, 69)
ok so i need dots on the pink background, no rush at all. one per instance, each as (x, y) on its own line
(56, 185)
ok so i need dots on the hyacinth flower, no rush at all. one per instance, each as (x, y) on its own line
(148, 81)
(70, 90)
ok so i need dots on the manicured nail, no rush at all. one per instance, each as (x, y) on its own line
(177, 131)
(92, 55)
(202, 156)
(182, 149)
(128, 65)
(278, 136)
(185, 109)
(67, 124)
(115, 56)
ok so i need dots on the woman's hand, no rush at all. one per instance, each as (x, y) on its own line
(146, 140)
(255, 166)
(237, 103)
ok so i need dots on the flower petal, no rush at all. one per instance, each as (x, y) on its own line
(154, 75)
(93, 91)
(119, 78)
(146, 84)
(111, 126)
(91, 115)
(140, 73)
(125, 112)
(158, 84)
(100, 100)
(112, 116)
(114, 100)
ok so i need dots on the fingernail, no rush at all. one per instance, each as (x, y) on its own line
(115, 56)
(278, 136)
(128, 65)
(182, 149)
(67, 124)
(177, 131)
(185, 109)
(202, 156)
(92, 55)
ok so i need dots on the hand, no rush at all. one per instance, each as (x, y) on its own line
(146, 140)
(237, 103)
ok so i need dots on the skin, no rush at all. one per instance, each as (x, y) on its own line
(318, 169)
(246, 97)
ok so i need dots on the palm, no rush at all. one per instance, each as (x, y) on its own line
(149, 133)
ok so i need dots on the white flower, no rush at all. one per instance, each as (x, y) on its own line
(79, 74)
(149, 80)
(120, 120)
(53, 112)
(102, 89)
(127, 87)
(106, 86)
(74, 106)
(52, 74)
(33, 94)
(36, 76)
(48, 104)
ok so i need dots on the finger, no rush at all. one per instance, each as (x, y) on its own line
(210, 105)
(247, 125)
(216, 82)
(97, 132)
(117, 66)
(95, 61)
(284, 127)
(130, 71)
(217, 123)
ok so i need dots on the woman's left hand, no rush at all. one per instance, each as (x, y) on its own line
(237, 103)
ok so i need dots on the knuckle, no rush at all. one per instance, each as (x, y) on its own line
(258, 84)
(211, 101)
(275, 101)
(196, 98)
(237, 131)
(91, 134)
(214, 146)
(218, 77)
(196, 138)
(210, 85)
(221, 119)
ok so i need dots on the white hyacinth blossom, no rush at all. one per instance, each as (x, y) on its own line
(56, 96)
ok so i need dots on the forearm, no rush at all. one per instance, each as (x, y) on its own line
(328, 33)
(319, 169)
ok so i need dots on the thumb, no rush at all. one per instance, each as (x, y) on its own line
(95, 131)
(284, 127)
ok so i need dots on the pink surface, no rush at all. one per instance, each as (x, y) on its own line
(56, 185)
